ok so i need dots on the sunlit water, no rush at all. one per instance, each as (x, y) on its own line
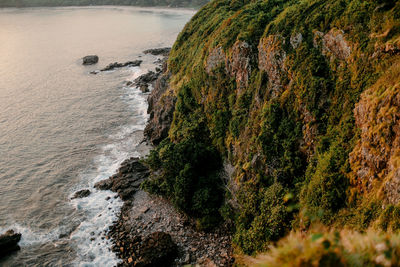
(63, 129)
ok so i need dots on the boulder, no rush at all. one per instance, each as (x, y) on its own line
(158, 51)
(157, 249)
(9, 243)
(127, 180)
(81, 194)
(90, 60)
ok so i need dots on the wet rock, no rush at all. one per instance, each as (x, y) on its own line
(104, 185)
(158, 51)
(157, 249)
(81, 194)
(90, 60)
(144, 88)
(115, 65)
(146, 78)
(9, 243)
(127, 180)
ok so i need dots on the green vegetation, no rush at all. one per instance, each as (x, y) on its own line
(190, 167)
(34, 3)
(291, 132)
(332, 248)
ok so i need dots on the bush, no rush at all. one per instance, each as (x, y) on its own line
(266, 218)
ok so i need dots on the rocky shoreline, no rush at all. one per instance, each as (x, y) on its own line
(149, 231)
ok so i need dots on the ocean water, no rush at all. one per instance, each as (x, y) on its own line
(63, 129)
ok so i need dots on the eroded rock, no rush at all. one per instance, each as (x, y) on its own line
(9, 243)
(161, 108)
(158, 51)
(81, 194)
(239, 63)
(90, 60)
(271, 59)
(333, 44)
(215, 59)
(127, 180)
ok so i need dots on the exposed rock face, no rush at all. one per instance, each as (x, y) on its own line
(161, 108)
(157, 249)
(333, 44)
(216, 58)
(271, 59)
(239, 63)
(296, 40)
(90, 60)
(127, 180)
(81, 194)
(376, 157)
(146, 79)
(9, 243)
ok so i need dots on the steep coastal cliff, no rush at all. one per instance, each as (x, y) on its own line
(302, 99)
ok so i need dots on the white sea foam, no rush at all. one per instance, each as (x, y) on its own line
(101, 208)
(30, 237)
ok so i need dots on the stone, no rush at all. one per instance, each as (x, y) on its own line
(115, 65)
(161, 108)
(81, 194)
(90, 60)
(158, 51)
(158, 249)
(9, 243)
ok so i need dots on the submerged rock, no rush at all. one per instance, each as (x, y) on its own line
(9, 243)
(81, 194)
(115, 65)
(90, 60)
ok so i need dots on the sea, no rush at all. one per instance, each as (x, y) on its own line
(63, 129)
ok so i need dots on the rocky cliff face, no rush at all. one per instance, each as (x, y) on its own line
(302, 99)
(161, 108)
(375, 158)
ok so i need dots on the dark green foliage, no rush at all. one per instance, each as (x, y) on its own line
(326, 185)
(390, 219)
(265, 216)
(189, 166)
(189, 178)
(279, 138)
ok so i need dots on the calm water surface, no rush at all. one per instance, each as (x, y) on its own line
(62, 129)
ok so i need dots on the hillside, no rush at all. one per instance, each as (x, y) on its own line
(38, 3)
(298, 101)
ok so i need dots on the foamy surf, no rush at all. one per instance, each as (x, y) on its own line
(101, 208)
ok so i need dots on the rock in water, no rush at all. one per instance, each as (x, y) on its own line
(9, 243)
(158, 51)
(157, 249)
(81, 194)
(90, 60)
(127, 180)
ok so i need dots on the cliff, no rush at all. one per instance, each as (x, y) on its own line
(302, 99)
